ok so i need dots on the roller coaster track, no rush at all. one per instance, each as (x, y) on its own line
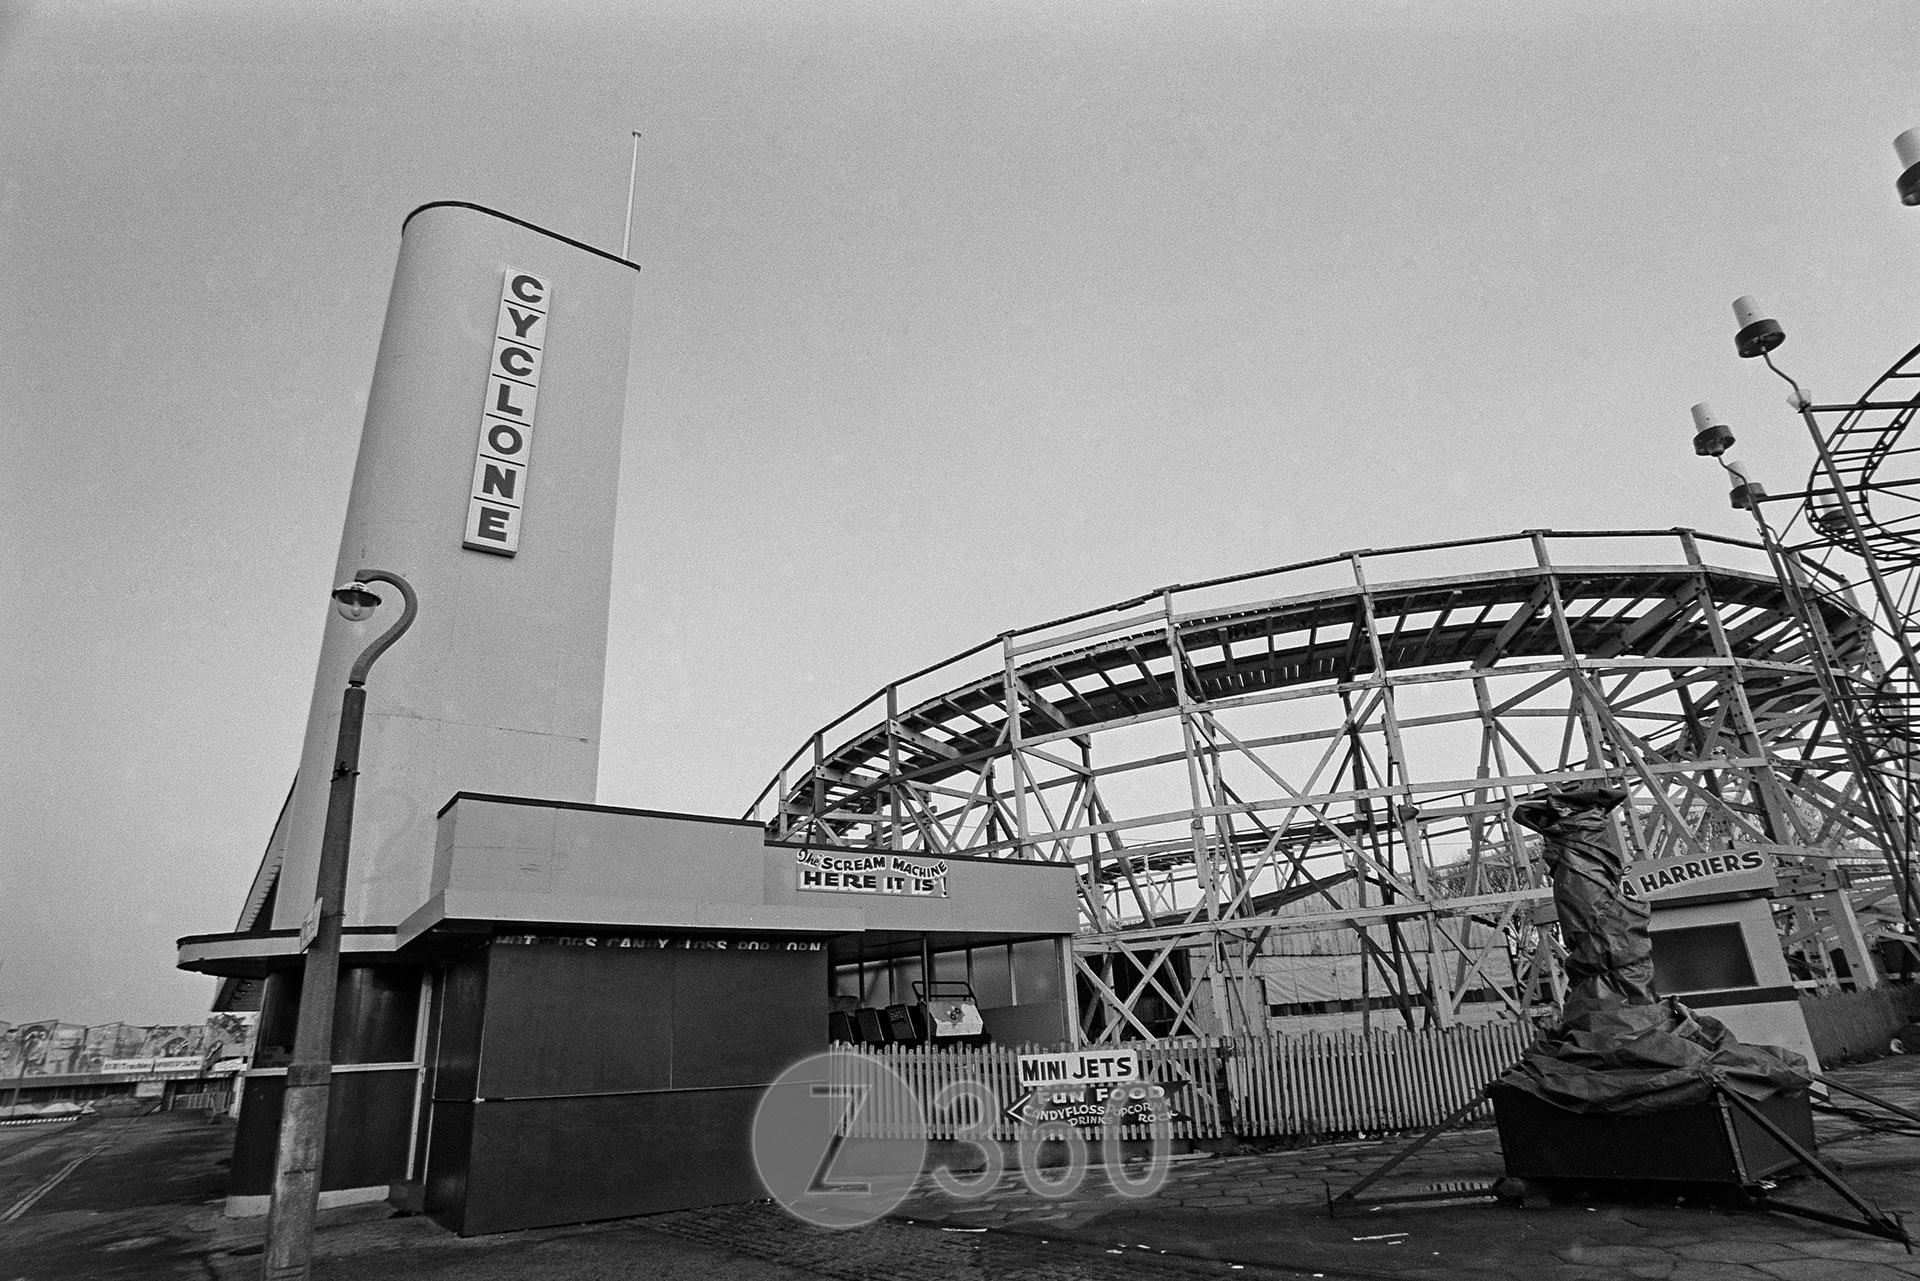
(1878, 471)
(1337, 744)
(1612, 613)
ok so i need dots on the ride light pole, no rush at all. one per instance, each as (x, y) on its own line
(1839, 514)
(303, 1116)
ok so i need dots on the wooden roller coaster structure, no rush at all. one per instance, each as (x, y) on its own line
(1336, 746)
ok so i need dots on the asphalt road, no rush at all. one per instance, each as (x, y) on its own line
(125, 1199)
(103, 1197)
(140, 1200)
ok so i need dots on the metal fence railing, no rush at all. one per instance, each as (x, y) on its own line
(210, 1101)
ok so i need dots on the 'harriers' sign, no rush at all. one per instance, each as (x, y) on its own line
(1721, 872)
(506, 419)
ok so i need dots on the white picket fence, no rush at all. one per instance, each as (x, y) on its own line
(1312, 1084)
(1349, 1082)
(1189, 1070)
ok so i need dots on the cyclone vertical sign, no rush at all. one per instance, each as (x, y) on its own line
(499, 496)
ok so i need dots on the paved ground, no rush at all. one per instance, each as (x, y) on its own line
(1271, 1210)
(141, 1198)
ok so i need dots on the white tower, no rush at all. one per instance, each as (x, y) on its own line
(487, 477)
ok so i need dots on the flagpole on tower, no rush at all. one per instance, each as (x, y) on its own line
(633, 174)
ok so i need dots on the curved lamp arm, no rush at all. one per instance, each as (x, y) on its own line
(411, 607)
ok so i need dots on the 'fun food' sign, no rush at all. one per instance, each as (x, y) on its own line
(499, 493)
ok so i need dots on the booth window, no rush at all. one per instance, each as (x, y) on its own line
(950, 967)
(906, 972)
(992, 981)
(1036, 971)
(1701, 958)
(876, 984)
(375, 1012)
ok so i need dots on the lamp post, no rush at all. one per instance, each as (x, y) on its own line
(1749, 494)
(1839, 514)
(303, 1116)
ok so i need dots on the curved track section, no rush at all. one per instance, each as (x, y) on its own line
(1317, 763)
(1880, 473)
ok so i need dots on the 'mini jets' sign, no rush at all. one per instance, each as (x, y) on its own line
(506, 420)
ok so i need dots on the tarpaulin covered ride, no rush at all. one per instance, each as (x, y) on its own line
(1619, 1048)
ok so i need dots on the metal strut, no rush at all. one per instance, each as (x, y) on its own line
(1873, 1219)
(1878, 1102)
(1350, 1197)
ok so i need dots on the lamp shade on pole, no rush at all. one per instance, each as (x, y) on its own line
(1746, 491)
(1827, 516)
(1711, 437)
(1759, 333)
(1907, 147)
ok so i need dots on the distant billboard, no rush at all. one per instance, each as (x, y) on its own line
(223, 1043)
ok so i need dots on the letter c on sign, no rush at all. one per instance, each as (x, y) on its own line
(504, 438)
(527, 289)
(517, 361)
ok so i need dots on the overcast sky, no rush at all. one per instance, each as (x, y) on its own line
(954, 318)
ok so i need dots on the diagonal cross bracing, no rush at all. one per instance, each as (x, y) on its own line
(1338, 764)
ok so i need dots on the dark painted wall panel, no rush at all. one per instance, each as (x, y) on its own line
(375, 1009)
(538, 1162)
(449, 1149)
(741, 1018)
(597, 1074)
(567, 1020)
(570, 1021)
(375, 1013)
(279, 1016)
(369, 1116)
(463, 993)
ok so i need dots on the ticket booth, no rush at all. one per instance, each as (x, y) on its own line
(580, 1021)
(1715, 946)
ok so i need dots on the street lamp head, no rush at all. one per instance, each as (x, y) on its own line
(1711, 437)
(1907, 147)
(354, 601)
(1758, 334)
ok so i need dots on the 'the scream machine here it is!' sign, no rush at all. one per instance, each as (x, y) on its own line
(870, 874)
(506, 420)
